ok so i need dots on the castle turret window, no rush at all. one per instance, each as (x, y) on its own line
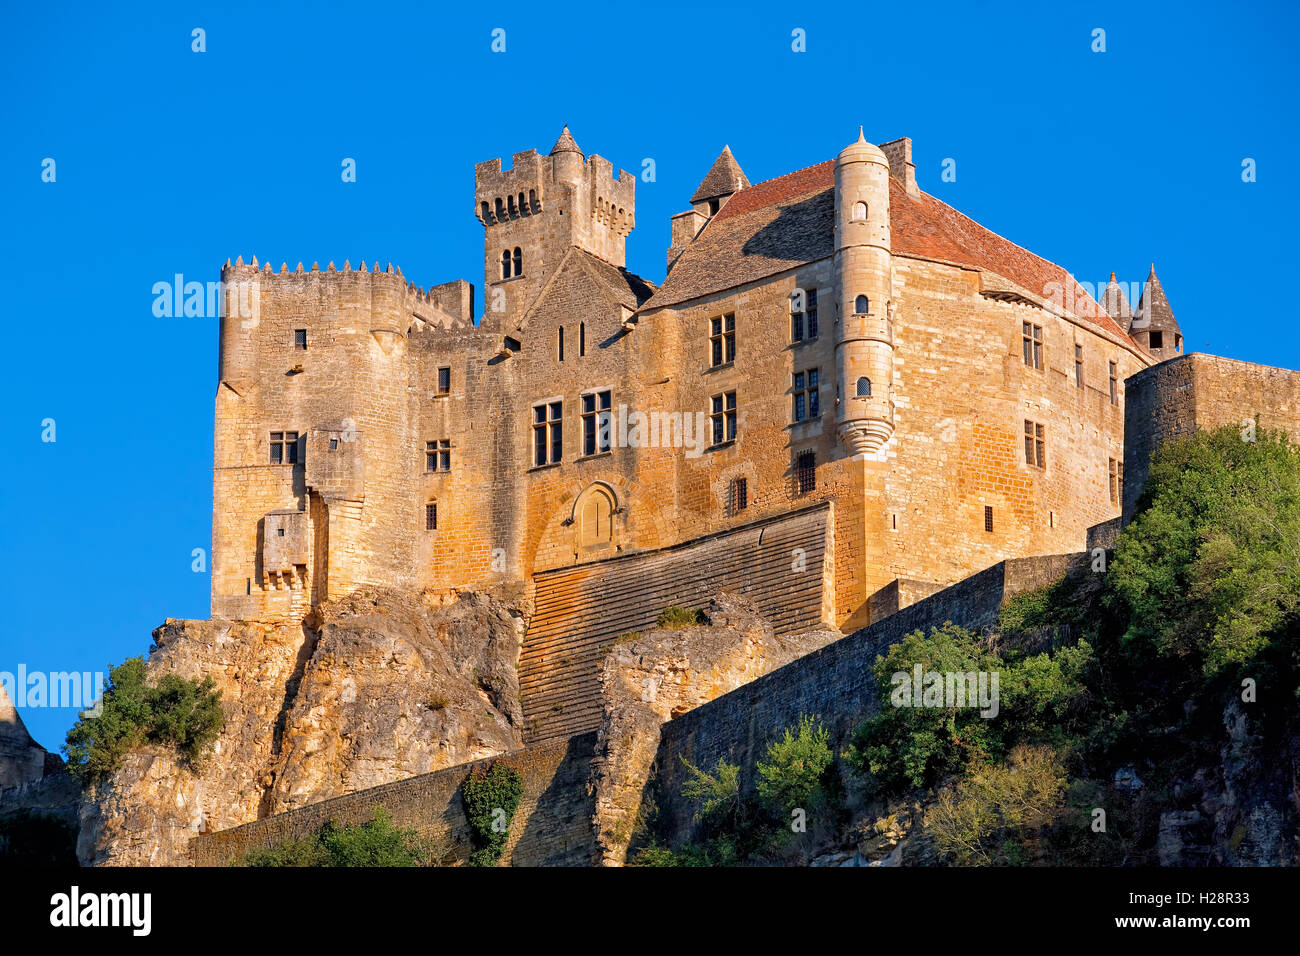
(805, 472)
(738, 496)
(1157, 339)
(548, 433)
(807, 396)
(1035, 444)
(864, 387)
(859, 212)
(861, 306)
(1032, 341)
(722, 418)
(284, 448)
(722, 339)
(803, 321)
(437, 455)
(597, 422)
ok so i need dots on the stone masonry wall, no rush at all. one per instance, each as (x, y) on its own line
(835, 684)
(552, 826)
(1199, 391)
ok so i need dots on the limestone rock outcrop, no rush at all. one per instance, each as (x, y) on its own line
(384, 686)
(662, 674)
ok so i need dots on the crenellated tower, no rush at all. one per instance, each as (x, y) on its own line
(864, 345)
(534, 212)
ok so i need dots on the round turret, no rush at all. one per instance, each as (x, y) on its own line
(863, 269)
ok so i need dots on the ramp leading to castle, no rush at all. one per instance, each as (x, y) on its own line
(778, 563)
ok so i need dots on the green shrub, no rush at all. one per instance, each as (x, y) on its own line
(491, 797)
(1209, 568)
(716, 795)
(374, 843)
(791, 776)
(675, 617)
(176, 712)
(993, 815)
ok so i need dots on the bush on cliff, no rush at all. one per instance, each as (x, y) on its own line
(794, 772)
(491, 797)
(1209, 568)
(175, 712)
(374, 843)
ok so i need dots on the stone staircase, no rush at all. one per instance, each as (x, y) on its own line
(581, 610)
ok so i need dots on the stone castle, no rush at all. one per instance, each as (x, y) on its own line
(834, 335)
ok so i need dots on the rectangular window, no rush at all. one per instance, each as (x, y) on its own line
(334, 444)
(1035, 445)
(722, 418)
(988, 517)
(1114, 384)
(1032, 336)
(300, 339)
(431, 516)
(722, 339)
(548, 433)
(807, 396)
(582, 338)
(805, 472)
(1078, 366)
(560, 346)
(739, 495)
(1157, 339)
(1114, 481)
(444, 380)
(803, 325)
(284, 448)
(437, 455)
(597, 422)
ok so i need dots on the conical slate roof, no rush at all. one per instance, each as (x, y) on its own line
(725, 178)
(1153, 311)
(1115, 302)
(566, 143)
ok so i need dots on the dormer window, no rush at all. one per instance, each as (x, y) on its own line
(861, 305)
(859, 212)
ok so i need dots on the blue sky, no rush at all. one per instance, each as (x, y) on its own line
(169, 161)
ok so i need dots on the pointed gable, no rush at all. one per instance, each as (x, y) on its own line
(724, 178)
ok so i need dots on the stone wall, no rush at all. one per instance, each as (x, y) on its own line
(835, 684)
(1199, 391)
(552, 827)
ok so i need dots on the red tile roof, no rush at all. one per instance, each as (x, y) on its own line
(780, 223)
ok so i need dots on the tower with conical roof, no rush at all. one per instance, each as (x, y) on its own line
(1154, 326)
(1115, 302)
(863, 271)
(541, 207)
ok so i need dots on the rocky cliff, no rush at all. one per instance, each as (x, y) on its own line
(383, 686)
(651, 678)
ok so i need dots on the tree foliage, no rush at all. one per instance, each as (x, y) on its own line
(176, 712)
